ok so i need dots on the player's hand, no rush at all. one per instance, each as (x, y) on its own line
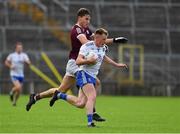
(92, 60)
(123, 65)
(12, 67)
(120, 40)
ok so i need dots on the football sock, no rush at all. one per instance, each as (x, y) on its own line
(62, 96)
(90, 118)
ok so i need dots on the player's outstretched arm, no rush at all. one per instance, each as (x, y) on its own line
(116, 40)
(82, 38)
(27, 60)
(110, 61)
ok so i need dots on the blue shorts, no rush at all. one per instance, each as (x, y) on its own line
(83, 78)
(17, 78)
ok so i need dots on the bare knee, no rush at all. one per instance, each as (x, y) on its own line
(18, 88)
(92, 98)
(66, 83)
(81, 104)
(62, 89)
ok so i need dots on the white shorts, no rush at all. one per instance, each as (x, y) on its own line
(71, 68)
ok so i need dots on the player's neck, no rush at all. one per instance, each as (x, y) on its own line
(18, 52)
(78, 24)
(97, 45)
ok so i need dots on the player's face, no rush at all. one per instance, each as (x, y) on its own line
(84, 21)
(19, 48)
(100, 39)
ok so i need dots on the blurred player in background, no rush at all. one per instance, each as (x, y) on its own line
(15, 61)
(80, 34)
(86, 74)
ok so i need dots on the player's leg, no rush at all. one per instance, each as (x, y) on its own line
(98, 84)
(90, 93)
(86, 98)
(16, 90)
(66, 84)
(82, 99)
(76, 101)
(96, 116)
(35, 97)
(11, 93)
(79, 101)
(87, 82)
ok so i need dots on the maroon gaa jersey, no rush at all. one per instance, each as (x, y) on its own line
(75, 43)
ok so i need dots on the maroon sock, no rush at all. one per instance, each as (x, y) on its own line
(37, 97)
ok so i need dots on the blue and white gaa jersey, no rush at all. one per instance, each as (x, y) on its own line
(17, 61)
(100, 51)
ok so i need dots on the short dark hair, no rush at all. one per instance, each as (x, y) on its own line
(101, 31)
(82, 12)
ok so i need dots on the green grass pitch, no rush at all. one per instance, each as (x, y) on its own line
(123, 114)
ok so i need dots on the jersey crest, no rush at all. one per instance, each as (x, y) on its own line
(78, 30)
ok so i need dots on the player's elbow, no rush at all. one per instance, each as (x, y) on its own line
(6, 63)
(78, 62)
